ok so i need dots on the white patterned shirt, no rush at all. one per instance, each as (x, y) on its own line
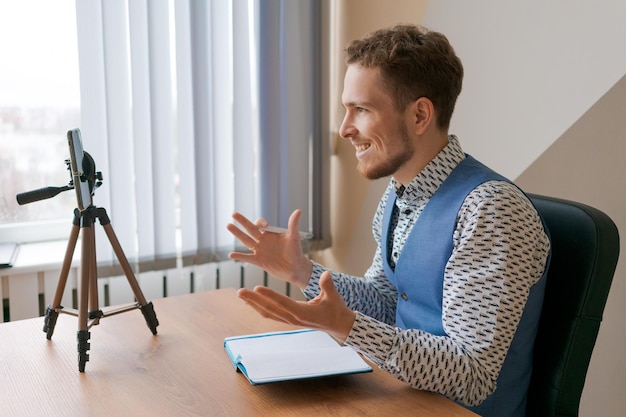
(499, 251)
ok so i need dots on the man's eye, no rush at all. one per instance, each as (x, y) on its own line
(360, 110)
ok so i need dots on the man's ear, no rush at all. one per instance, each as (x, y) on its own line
(423, 113)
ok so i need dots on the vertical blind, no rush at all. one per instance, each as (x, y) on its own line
(193, 109)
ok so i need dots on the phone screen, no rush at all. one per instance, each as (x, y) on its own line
(81, 185)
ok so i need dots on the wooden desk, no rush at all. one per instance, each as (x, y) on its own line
(182, 371)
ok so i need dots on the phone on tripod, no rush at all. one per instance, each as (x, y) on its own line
(77, 166)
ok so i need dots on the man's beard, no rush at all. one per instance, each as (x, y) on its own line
(395, 161)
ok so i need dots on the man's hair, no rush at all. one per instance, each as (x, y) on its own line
(414, 62)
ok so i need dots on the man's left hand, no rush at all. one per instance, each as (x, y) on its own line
(327, 312)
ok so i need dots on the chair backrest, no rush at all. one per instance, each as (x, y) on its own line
(585, 248)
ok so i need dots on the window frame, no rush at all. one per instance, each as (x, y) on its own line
(36, 231)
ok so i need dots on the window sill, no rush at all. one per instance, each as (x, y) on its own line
(40, 256)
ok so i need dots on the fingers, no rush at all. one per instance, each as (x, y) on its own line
(326, 283)
(266, 297)
(342, 317)
(251, 228)
(251, 235)
(243, 257)
(327, 311)
(327, 289)
(294, 219)
(243, 237)
(279, 254)
(270, 304)
(262, 310)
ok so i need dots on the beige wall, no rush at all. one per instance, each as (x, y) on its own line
(543, 102)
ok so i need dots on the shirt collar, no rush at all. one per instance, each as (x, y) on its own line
(428, 181)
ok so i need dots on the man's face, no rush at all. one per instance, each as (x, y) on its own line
(376, 129)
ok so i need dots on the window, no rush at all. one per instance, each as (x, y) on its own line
(39, 102)
(192, 110)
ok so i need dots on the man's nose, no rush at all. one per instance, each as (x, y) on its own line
(347, 129)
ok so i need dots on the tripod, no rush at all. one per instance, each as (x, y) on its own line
(88, 313)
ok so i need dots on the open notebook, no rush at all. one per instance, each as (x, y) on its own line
(282, 356)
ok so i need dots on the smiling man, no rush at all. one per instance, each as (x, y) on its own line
(452, 298)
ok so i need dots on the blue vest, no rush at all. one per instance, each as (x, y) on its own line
(419, 274)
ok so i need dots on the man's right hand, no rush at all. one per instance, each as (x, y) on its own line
(280, 254)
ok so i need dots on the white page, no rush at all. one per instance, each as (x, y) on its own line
(302, 363)
(272, 342)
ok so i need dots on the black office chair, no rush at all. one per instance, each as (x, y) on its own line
(585, 248)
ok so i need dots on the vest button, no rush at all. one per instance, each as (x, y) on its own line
(404, 296)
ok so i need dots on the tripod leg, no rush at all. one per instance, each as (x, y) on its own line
(151, 319)
(83, 301)
(51, 310)
(82, 338)
(147, 309)
(94, 310)
(50, 321)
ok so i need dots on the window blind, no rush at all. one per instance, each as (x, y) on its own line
(195, 109)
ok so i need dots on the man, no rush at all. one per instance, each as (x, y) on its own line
(452, 299)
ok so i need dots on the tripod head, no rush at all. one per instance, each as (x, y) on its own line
(83, 176)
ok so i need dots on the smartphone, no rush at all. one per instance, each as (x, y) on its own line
(81, 185)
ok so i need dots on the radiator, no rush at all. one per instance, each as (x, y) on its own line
(27, 295)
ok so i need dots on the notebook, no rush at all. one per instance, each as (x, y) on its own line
(299, 354)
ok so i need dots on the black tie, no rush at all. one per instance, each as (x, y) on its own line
(392, 226)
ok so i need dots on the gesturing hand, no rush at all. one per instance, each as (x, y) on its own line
(280, 254)
(327, 312)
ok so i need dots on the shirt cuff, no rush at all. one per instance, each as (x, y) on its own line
(372, 338)
(313, 287)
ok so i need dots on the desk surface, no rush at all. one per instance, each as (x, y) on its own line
(183, 370)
